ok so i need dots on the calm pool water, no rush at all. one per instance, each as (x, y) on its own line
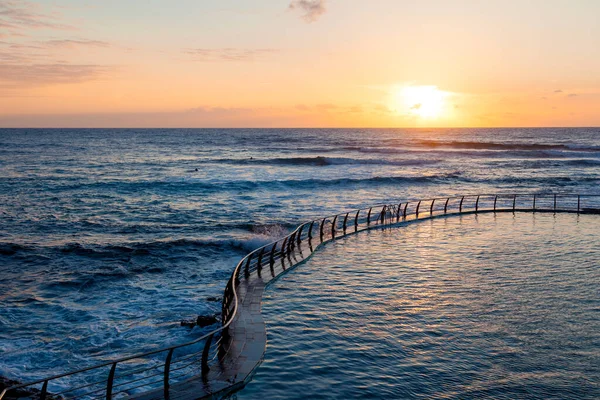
(490, 306)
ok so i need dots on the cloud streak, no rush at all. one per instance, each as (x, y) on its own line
(228, 54)
(31, 75)
(72, 43)
(311, 10)
(20, 15)
(40, 63)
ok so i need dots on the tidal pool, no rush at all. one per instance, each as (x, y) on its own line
(501, 306)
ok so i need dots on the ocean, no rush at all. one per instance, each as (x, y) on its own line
(110, 237)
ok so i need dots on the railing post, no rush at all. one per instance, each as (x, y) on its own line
(167, 372)
(272, 261)
(534, 202)
(205, 367)
(109, 381)
(477, 204)
(404, 213)
(578, 203)
(345, 221)
(44, 390)
(554, 202)
(418, 205)
(299, 237)
(224, 302)
(382, 216)
(260, 257)
(398, 212)
(290, 251)
(446, 205)
(333, 227)
(310, 229)
(356, 221)
(282, 252)
(431, 208)
(272, 255)
(514, 202)
(495, 200)
(247, 267)
(283, 248)
(460, 205)
(321, 231)
(369, 216)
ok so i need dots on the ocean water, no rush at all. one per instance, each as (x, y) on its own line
(488, 306)
(108, 238)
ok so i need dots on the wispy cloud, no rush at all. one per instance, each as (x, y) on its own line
(41, 63)
(31, 75)
(18, 15)
(8, 56)
(311, 9)
(558, 91)
(21, 53)
(48, 47)
(71, 43)
(228, 54)
(572, 95)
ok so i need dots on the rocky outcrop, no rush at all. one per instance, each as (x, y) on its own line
(201, 321)
(24, 392)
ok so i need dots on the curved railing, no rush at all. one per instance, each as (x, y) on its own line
(161, 369)
(317, 232)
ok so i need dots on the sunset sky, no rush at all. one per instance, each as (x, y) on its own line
(301, 63)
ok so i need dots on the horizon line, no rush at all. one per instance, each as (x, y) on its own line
(314, 127)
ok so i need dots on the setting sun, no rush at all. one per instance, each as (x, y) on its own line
(426, 102)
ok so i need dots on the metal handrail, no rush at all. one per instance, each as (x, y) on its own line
(327, 229)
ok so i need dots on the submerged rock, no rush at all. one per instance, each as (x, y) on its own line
(201, 321)
(188, 323)
(213, 298)
(206, 320)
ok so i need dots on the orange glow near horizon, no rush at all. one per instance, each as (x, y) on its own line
(444, 64)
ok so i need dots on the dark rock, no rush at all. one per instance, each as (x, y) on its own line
(26, 392)
(201, 321)
(5, 382)
(213, 298)
(188, 323)
(206, 320)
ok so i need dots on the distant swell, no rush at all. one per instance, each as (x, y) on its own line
(190, 184)
(504, 146)
(320, 161)
(342, 182)
(583, 163)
